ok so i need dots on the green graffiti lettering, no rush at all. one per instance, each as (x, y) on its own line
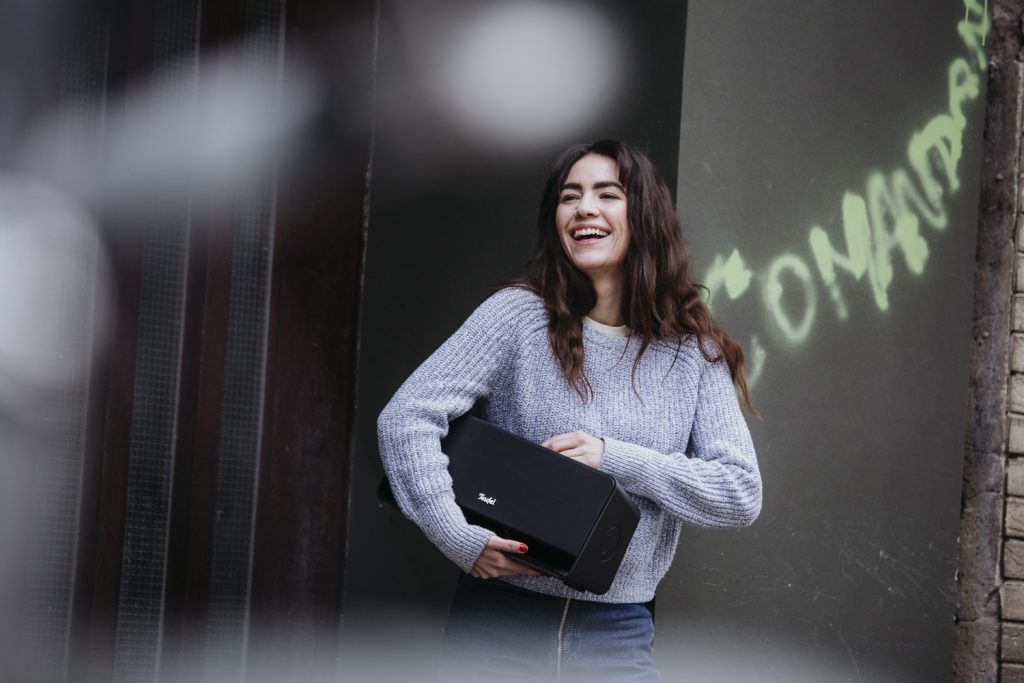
(974, 33)
(757, 357)
(857, 261)
(737, 275)
(732, 273)
(872, 230)
(963, 86)
(773, 291)
(908, 198)
(886, 218)
(892, 226)
(940, 142)
(715, 277)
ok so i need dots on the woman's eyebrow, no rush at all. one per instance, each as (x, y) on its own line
(597, 186)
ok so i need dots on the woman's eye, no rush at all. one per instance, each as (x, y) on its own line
(569, 197)
(609, 195)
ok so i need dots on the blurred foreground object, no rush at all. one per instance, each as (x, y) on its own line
(53, 293)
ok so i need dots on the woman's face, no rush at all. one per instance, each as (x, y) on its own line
(591, 217)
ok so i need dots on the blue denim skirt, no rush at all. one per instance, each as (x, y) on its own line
(500, 632)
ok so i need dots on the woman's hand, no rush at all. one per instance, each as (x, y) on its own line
(579, 446)
(492, 562)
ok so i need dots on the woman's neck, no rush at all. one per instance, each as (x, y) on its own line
(608, 310)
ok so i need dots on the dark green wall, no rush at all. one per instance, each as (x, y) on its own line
(793, 113)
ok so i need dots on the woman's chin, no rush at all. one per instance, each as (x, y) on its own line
(598, 270)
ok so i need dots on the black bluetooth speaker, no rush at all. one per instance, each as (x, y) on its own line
(576, 521)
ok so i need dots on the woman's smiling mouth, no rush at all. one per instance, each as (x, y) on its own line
(585, 232)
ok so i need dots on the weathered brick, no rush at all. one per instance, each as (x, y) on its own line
(986, 473)
(1016, 403)
(976, 654)
(980, 566)
(1012, 600)
(1017, 393)
(1015, 476)
(1018, 272)
(1017, 352)
(1013, 559)
(1012, 673)
(1013, 642)
(1018, 312)
(1016, 444)
(1013, 523)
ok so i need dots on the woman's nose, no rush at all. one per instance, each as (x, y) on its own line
(585, 208)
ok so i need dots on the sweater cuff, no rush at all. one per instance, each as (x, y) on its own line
(627, 462)
(460, 541)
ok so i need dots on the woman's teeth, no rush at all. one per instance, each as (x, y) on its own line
(584, 233)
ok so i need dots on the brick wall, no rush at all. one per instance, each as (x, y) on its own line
(1012, 590)
(1011, 651)
(990, 589)
(1011, 641)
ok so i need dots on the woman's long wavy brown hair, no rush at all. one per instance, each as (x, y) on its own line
(660, 300)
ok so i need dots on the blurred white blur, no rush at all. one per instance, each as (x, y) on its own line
(515, 74)
(53, 292)
(170, 137)
(162, 140)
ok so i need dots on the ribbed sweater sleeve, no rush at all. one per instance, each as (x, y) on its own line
(413, 423)
(717, 482)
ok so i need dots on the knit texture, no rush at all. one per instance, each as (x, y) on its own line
(675, 438)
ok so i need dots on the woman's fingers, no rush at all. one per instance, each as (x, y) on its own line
(493, 562)
(579, 446)
(493, 568)
(508, 545)
(560, 442)
(506, 564)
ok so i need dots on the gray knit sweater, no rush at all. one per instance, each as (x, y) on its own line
(681, 449)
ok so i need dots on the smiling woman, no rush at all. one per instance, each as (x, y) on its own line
(593, 224)
(543, 359)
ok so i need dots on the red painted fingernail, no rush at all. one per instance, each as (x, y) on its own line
(522, 548)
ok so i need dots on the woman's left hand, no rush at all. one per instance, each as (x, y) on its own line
(579, 446)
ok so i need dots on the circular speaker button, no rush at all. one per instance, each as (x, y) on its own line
(610, 544)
